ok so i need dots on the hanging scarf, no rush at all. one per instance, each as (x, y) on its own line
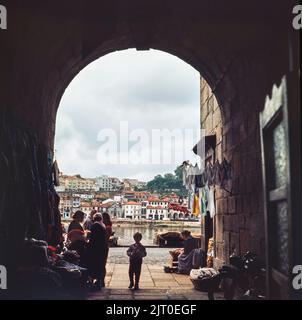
(203, 201)
(196, 207)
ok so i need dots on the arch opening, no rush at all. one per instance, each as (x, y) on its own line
(169, 99)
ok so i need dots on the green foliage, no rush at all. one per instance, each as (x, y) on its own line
(168, 183)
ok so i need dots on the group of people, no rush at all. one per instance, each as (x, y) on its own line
(90, 238)
(91, 241)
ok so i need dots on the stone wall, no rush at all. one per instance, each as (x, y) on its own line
(238, 223)
(211, 122)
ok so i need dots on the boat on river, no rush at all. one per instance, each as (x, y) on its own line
(172, 239)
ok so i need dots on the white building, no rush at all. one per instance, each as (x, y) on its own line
(115, 183)
(66, 206)
(76, 201)
(106, 183)
(114, 209)
(118, 198)
(83, 196)
(87, 207)
(103, 183)
(132, 210)
(157, 213)
(152, 201)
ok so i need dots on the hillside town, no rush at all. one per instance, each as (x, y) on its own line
(122, 199)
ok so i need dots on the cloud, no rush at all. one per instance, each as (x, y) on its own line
(150, 90)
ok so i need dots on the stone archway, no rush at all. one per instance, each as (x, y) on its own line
(45, 46)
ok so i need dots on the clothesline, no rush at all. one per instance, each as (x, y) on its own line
(213, 174)
(200, 184)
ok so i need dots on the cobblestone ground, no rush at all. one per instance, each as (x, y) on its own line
(155, 256)
(155, 284)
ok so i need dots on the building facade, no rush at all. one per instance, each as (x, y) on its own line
(132, 210)
(156, 213)
(114, 209)
(154, 201)
(76, 183)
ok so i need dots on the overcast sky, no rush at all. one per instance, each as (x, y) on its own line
(148, 90)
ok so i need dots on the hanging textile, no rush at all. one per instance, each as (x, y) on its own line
(203, 201)
(217, 174)
(190, 199)
(209, 174)
(216, 178)
(211, 202)
(191, 178)
(225, 172)
(200, 180)
(185, 169)
(196, 207)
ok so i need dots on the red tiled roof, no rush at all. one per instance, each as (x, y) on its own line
(165, 200)
(153, 199)
(155, 207)
(177, 207)
(132, 203)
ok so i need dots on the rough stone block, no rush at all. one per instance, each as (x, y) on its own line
(220, 206)
(244, 241)
(234, 242)
(219, 227)
(232, 205)
(238, 204)
(246, 204)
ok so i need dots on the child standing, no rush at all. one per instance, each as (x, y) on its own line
(136, 252)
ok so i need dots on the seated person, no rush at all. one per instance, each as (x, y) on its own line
(186, 257)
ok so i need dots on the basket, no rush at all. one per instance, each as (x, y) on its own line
(210, 284)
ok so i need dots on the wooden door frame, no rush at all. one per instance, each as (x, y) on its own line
(285, 103)
(295, 163)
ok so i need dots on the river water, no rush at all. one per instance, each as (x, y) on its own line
(125, 233)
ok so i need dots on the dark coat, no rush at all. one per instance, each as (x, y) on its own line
(96, 251)
(190, 244)
(74, 225)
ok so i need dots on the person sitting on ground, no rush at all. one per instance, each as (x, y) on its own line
(96, 252)
(136, 253)
(186, 257)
